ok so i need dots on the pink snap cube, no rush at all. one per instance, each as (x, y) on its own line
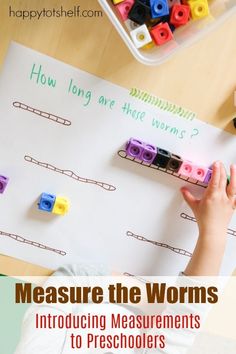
(199, 173)
(186, 169)
(124, 8)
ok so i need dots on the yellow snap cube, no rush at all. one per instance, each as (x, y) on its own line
(61, 206)
(115, 2)
(149, 45)
(199, 9)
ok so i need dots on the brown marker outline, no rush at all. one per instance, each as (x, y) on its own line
(43, 114)
(191, 218)
(31, 243)
(142, 280)
(69, 173)
(180, 251)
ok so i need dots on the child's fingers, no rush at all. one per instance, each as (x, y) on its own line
(231, 189)
(223, 177)
(189, 197)
(215, 178)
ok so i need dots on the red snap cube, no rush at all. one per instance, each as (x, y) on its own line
(180, 15)
(161, 33)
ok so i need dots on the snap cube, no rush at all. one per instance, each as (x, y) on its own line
(180, 15)
(162, 158)
(46, 202)
(124, 8)
(131, 25)
(186, 169)
(173, 2)
(117, 1)
(199, 9)
(141, 36)
(174, 163)
(149, 46)
(61, 206)
(228, 180)
(167, 19)
(134, 148)
(208, 176)
(159, 8)
(234, 122)
(172, 27)
(146, 2)
(140, 12)
(199, 173)
(3, 183)
(149, 153)
(161, 33)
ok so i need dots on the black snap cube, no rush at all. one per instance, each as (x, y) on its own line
(162, 158)
(140, 12)
(234, 121)
(146, 2)
(174, 163)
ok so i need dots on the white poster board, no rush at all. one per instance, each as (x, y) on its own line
(61, 131)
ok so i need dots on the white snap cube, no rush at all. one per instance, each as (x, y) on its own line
(131, 25)
(140, 36)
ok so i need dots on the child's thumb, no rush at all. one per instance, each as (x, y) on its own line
(188, 197)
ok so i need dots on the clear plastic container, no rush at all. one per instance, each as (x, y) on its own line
(183, 37)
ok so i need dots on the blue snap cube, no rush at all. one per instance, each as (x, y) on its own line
(159, 8)
(46, 202)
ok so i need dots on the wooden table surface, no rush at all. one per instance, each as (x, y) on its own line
(201, 78)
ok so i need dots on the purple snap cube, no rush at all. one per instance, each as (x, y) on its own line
(149, 153)
(208, 176)
(3, 183)
(134, 148)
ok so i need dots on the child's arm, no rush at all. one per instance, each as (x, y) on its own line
(213, 213)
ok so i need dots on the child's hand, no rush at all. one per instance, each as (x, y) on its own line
(214, 211)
